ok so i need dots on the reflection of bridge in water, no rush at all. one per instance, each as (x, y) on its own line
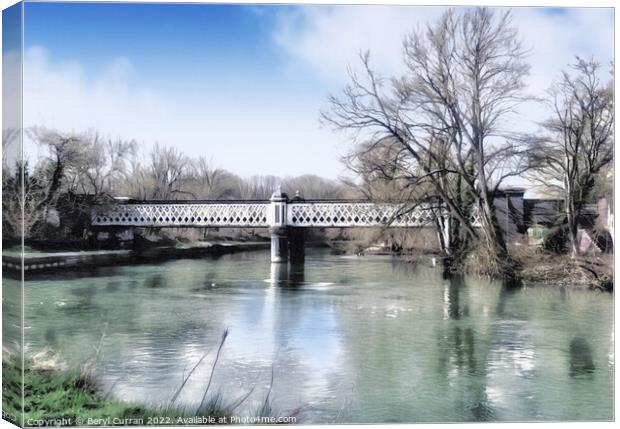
(286, 219)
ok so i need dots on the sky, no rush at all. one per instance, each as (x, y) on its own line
(244, 85)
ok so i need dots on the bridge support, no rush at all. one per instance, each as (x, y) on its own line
(286, 241)
(297, 238)
(297, 243)
(277, 227)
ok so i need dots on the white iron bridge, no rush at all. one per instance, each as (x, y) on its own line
(286, 219)
(257, 214)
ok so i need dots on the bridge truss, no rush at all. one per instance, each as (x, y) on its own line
(258, 214)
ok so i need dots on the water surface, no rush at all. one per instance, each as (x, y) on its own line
(350, 339)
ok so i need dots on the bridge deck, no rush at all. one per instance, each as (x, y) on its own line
(258, 214)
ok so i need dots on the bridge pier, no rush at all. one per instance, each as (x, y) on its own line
(287, 242)
(297, 238)
(297, 245)
(277, 227)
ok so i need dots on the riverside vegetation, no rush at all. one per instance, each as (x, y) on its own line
(56, 396)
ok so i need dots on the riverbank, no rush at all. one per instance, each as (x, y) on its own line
(535, 266)
(58, 397)
(40, 262)
(586, 272)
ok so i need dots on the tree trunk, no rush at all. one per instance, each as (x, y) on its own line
(493, 238)
(494, 242)
(571, 220)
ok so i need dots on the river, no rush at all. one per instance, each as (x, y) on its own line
(349, 339)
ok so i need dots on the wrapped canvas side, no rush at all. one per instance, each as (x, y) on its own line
(13, 170)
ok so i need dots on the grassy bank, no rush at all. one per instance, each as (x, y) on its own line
(56, 396)
(73, 398)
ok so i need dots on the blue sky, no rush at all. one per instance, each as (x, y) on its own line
(187, 41)
(11, 28)
(243, 84)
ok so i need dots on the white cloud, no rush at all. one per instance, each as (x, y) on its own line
(62, 96)
(555, 39)
(11, 93)
(248, 133)
(327, 39)
(11, 105)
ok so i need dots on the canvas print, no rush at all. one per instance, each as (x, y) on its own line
(306, 214)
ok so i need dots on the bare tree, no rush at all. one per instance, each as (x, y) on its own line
(312, 186)
(65, 156)
(440, 124)
(170, 171)
(212, 183)
(104, 166)
(170, 174)
(576, 143)
(11, 138)
(30, 194)
(21, 199)
(258, 187)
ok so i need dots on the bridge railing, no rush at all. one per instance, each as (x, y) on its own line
(258, 214)
(212, 214)
(358, 214)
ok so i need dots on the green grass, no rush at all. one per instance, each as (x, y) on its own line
(74, 398)
(11, 391)
(55, 397)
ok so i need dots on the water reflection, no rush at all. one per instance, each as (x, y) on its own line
(507, 290)
(287, 276)
(451, 299)
(50, 336)
(297, 275)
(278, 274)
(462, 352)
(155, 281)
(581, 360)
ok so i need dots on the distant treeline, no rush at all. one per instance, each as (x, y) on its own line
(78, 169)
